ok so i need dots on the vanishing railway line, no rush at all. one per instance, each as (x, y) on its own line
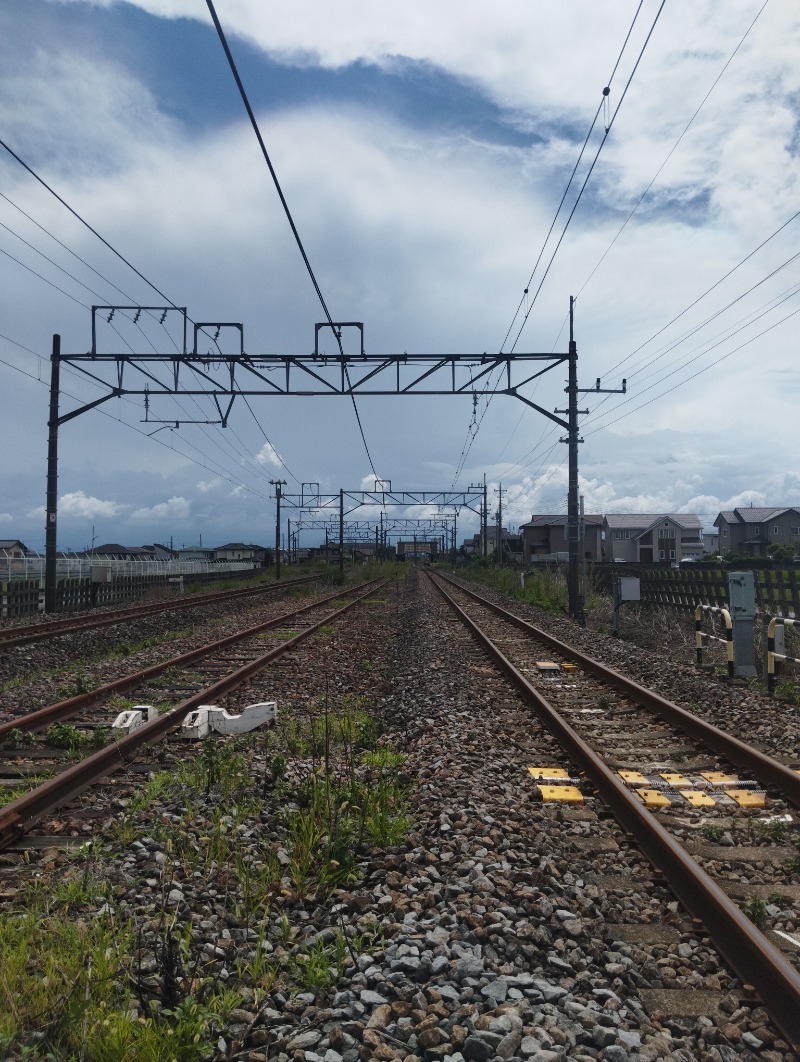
(503, 921)
(16, 635)
(606, 723)
(204, 675)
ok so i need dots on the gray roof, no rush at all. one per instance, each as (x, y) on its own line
(643, 521)
(560, 521)
(750, 515)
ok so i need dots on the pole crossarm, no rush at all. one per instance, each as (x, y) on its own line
(222, 375)
(390, 525)
(452, 499)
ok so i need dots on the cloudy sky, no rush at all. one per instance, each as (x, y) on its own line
(423, 155)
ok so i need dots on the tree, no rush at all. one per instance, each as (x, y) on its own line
(780, 552)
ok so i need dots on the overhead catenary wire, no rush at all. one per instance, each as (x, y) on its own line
(619, 364)
(471, 436)
(672, 150)
(84, 222)
(287, 211)
(105, 242)
(217, 471)
(582, 189)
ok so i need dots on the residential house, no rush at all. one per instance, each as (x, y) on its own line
(544, 536)
(752, 531)
(650, 538)
(196, 553)
(512, 544)
(236, 551)
(12, 548)
(115, 551)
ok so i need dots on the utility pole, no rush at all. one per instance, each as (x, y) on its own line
(499, 543)
(277, 483)
(341, 532)
(485, 528)
(50, 559)
(575, 605)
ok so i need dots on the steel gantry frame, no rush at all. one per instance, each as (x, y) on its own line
(382, 530)
(224, 376)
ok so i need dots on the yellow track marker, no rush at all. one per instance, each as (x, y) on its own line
(719, 778)
(567, 794)
(653, 798)
(677, 781)
(634, 778)
(699, 800)
(745, 798)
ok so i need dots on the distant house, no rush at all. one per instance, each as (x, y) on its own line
(115, 551)
(161, 553)
(652, 538)
(196, 553)
(545, 535)
(753, 530)
(234, 551)
(512, 544)
(12, 547)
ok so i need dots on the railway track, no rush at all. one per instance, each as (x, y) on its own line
(620, 741)
(206, 675)
(12, 637)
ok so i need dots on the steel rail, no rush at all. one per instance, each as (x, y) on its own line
(745, 948)
(66, 709)
(21, 814)
(12, 637)
(768, 769)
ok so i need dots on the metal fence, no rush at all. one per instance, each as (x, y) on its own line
(22, 581)
(69, 567)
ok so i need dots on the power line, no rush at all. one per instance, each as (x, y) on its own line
(471, 436)
(589, 174)
(705, 368)
(290, 219)
(218, 471)
(84, 222)
(672, 149)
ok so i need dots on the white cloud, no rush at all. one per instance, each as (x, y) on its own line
(6, 518)
(175, 509)
(79, 504)
(204, 486)
(268, 455)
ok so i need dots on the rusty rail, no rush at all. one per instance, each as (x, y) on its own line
(67, 709)
(18, 816)
(746, 949)
(11, 637)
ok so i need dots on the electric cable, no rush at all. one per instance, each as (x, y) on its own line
(83, 221)
(290, 219)
(673, 149)
(468, 443)
(589, 174)
(61, 200)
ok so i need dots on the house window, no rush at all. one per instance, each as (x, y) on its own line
(775, 530)
(666, 532)
(672, 554)
(724, 532)
(661, 554)
(794, 530)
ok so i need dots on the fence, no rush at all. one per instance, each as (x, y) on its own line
(777, 590)
(21, 593)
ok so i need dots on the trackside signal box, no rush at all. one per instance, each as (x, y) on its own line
(742, 607)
